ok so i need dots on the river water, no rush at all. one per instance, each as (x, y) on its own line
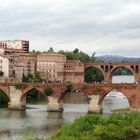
(15, 124)
(35, 119)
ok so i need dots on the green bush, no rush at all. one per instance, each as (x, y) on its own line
(48, 91)
(18, 85)
(69, 86)
(113, 127)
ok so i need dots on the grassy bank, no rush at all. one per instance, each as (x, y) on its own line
(97, 127)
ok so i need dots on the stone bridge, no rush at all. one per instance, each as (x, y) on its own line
(95, 94)
(108, 69)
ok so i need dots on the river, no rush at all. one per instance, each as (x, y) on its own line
(36, 119)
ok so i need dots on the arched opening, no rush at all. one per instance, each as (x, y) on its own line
(4, 99)
(122, 75)
(114, 100)
(33, 98)
(75, 101)
(94, 75)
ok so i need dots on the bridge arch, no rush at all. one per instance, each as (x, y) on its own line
(119, 70)
(4, 98)
(26, 92)
(121, 95)
(94, 74)
(6, 93)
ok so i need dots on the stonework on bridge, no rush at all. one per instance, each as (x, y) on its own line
(94, 92)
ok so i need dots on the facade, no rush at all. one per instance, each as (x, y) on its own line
(7, 67)
(51, 66)
(4, 65)
(54, 67)
(14, 46)
(74, 71)
(24, 63)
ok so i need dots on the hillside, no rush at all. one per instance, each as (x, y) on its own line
(117, 58)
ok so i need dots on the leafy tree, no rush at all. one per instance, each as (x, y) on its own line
(48, 91)
(50, 49)
(92, 58)
(37, 76)
(77, 55)
(122, 71)
(93, 75)
(1, 73)
(76, 50)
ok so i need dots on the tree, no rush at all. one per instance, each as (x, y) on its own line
(93, 75)
(1, 73)
(50, 49)
(92, 58)
(76, 50)
(37, 76)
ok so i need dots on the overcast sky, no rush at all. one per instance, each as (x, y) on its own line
(101, 26)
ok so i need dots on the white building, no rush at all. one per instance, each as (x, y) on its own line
(12, 46)
(4, 65)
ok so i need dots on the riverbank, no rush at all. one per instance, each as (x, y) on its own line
(117, 126)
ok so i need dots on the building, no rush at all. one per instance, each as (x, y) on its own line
(51, 66)
(7, 68)
(24, 63)
(74, 71)
(14, 46)
(54, 67)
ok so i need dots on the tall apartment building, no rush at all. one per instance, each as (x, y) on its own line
(14, 46)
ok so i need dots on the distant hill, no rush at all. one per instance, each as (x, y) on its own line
(117, 58)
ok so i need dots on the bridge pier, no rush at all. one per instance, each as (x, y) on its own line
(93, 106)
(54, 105)
(15, 95)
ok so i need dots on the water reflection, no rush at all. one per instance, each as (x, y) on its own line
(14, 124)
(55, 115)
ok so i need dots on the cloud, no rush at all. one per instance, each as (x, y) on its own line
(104, 26)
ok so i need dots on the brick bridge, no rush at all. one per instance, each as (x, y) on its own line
(108, 69)
(94, 92)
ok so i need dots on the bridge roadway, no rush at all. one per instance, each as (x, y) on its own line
(95, 94)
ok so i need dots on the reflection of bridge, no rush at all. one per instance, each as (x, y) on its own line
(108, 69)
(94, 92)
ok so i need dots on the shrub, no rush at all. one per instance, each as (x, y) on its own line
(48, 91)
(69, 86)
(18, 85)
(113, 127)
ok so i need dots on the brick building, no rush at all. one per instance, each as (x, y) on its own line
(74, 71)
(51, 66)
(54, 67)
(23, 63)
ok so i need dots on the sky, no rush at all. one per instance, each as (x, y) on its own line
(107, 27)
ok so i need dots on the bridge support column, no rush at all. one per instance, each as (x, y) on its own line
(15, 95)
(54, 105)
(93, 106)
